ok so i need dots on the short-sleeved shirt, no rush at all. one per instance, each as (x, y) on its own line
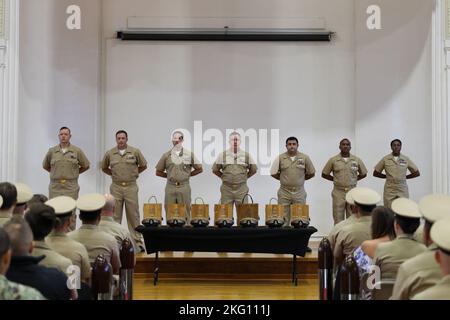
(332, 237)
(97, 242)
(396, 170)
(178, 165)
(292, 171)
(441, 291)
(345, 170)
(14, 291)
(390, 255)
(416, 275)
(71, 249)
(52, 258)
(235, 167)
(124, 168)
(352, 236)
(65, 165)
(119, 232)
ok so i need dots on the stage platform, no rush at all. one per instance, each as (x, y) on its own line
(228, 266)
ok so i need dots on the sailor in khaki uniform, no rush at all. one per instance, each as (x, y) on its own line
(108, 225)
(353, 235)
(97, 242)
(8, 193)
(124, 164)
(347, 170)
(24, 194)
(58, 240)
(395, 166)
(440, 235)
(65, 162)
(332, 236)
(234, 166)
(422, 272)
(41, 219)
(178, 166)
(292, 169)
(390, 255)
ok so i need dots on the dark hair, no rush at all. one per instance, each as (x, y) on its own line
(5, 243)
(383, 223)
(345, 139)
(8, 192)
(61, 220)
(120, 132)
(291, 139)
(408, 225)
(365, 210)
(90, 217)
(65, 128)
(38, 198)
(41, 219)
(396, 140)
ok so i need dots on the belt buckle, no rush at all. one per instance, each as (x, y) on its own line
(177, 184)
(63, 181)
(124, 184)
(346, 189)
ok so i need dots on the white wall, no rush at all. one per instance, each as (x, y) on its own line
(393, 86)
(319, 92)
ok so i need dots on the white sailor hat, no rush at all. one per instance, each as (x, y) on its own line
(91, 202)
(62, 205)
(440, 234)
(365, 196)
(24, 193)
(435, 207)
(406, 208)
(1, 201)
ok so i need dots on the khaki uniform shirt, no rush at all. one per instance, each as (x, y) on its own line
(441, 291)
(292, 172)
(417, 274)
(396, 171)
(345, 173)
(4, 218)
(178, 166)
(14, 291)
(97, 242)
(120, 233)
(65, 166)
(352, 236)
(235, 168)
(124, 168)
(71, 249)
(332, 237)
(52, 258)
(390, 255)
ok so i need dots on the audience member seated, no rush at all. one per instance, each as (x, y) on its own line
(8, 192)
(24, 194)
(382, 231)
(10, 290)
(25, 269)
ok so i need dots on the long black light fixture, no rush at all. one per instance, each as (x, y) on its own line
(225, 34)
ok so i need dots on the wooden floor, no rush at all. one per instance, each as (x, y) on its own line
(307, 289)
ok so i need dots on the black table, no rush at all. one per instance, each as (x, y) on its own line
(236, 239)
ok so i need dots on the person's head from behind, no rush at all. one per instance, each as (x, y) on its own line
(440, 235)
(383, 223)
(5, 251)
(20, 235)
(91, 207)
(406, 225)
(42, 220)
(407, 216)
(9, 194)
(292, 145)
(365, 200)
(108, 209)
(38, 198)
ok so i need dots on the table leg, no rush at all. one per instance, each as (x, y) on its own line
(156, 269)
(294, 270)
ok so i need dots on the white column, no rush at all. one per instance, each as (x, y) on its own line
(440, 98)
(9, 77)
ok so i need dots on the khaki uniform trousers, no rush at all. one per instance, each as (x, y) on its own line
(287, 197)
(180, 194)
(393, 191)
(127, 194)
(340, 208)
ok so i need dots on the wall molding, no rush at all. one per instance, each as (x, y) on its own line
(9, 86)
